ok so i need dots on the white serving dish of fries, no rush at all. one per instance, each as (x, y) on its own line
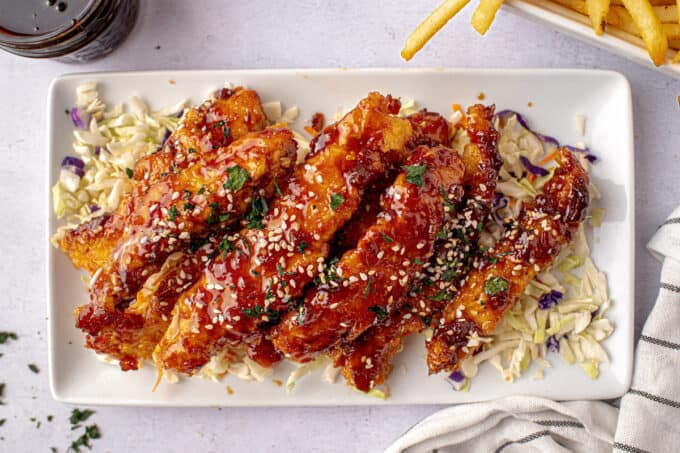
(578, 26)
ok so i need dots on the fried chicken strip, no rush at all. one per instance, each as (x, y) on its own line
(543, 228)
(366, 361)
(371, 280)
(272, 262)
(201, 137)
(185, 206)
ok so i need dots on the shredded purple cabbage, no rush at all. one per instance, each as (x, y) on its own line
(165, 137)
(77, 120)
(535, 169)
(499, 202)
(70, 161)
(553, 344)
(94, 208)
(550, 299)
(589, 156)
(457, 376)
(97, 151)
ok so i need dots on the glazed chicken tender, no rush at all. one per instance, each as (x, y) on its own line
(201, 137)
(268, 265)
(542, 229)
(366, 361)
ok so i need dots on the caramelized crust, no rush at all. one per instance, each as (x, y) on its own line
(186, 206)
(366, 362)
(204, 132)
(495, 286)
(371, 280)
(269, 267)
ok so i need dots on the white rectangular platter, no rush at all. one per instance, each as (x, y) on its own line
(556, 96)
(578, 26)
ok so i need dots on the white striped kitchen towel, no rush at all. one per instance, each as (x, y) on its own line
(649, 417)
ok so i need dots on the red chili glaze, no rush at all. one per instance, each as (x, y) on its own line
(269, 267)
(318, 121)
(430, 129)
(372, 279)
(182, 207)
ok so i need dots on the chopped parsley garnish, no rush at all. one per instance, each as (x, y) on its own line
(226, 131)
(441, 295)
(214, 213)
(447, 202)
(367, 291)
(494, 259)
(220, 123)
(172, 213)
(191, 150)
(482, 302)
(4, 336)
(91, 432)
(276, 186)
(449, 274)
(414, 174)
(301, 315)
(225, 217)
(386, 237)
(302, 246)
(197, 243)
(201, 191)
(78, 416)
(495, 285)
(279, 269)
(226, 246)
(129, 172)
(254, 312)
(441, 234)
(336, 201)
(418, 262)
(236, 178)
(33, 367)
(189, 206)
(379, 311)
(255, 273)
(258, 209)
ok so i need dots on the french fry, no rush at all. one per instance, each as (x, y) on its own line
(667, 14)
(577, 5)
(650, 29)
(597, 11)
(485, 14)
(434, 22)
(652, 2)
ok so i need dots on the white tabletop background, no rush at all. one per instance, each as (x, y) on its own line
(265, 34)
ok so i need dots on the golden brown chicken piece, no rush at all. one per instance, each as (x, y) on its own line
(543, 228)
(133, 334)
(370, 281)
(203, 133)
(272, 261)
(366, 362)
(185, 206)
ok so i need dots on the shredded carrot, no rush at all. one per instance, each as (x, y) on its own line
(311, 131)
(457, 108)
(531, 177)
(549, 157)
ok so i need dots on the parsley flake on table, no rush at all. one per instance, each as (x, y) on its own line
(4, 336)
(414, 174)
(33, 367)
